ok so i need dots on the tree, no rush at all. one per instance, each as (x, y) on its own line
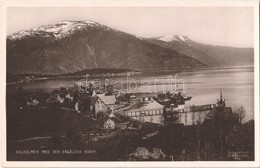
(241, 113)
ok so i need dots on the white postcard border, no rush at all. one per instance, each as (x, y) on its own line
(117, 3)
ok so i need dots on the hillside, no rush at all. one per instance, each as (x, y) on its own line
(207, 54)
(71, 46)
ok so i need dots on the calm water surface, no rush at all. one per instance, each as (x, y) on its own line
(236, 82)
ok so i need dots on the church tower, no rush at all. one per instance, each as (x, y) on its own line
(221, 102)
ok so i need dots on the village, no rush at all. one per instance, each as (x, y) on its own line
(143, 126)
(150, 107)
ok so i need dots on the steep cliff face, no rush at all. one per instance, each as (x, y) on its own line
(207, 54)
(71, 46)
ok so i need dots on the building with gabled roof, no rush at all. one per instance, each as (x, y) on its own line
(147, 111)
(108, 100)
(104, 104)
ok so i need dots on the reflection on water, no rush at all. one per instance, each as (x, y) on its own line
(237, 83)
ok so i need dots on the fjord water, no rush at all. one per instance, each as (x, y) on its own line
(236, 82)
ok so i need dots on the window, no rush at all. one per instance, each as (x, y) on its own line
(161, 111)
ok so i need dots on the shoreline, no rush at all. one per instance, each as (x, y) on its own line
(146, 72)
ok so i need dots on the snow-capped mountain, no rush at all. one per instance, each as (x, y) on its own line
(208, 54)
(58, 30)
(71, 46)
(170, 38)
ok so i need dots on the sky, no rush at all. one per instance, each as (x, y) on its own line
(227, 26)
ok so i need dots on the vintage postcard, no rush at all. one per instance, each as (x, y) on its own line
(130, 84)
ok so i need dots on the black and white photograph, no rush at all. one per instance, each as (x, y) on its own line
(172, 84)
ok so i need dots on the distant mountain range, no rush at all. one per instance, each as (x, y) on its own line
(205, 53)
(72, 46)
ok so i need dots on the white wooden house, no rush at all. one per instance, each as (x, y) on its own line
(105, 104)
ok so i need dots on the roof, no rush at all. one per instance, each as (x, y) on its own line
(108, 99)
(153, 105)
(139, 95)
(223, 113)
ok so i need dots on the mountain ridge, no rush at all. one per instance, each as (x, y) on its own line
(212, 55)
(71, 46)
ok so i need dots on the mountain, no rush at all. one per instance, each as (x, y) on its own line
(71, 46)
(205, 53)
